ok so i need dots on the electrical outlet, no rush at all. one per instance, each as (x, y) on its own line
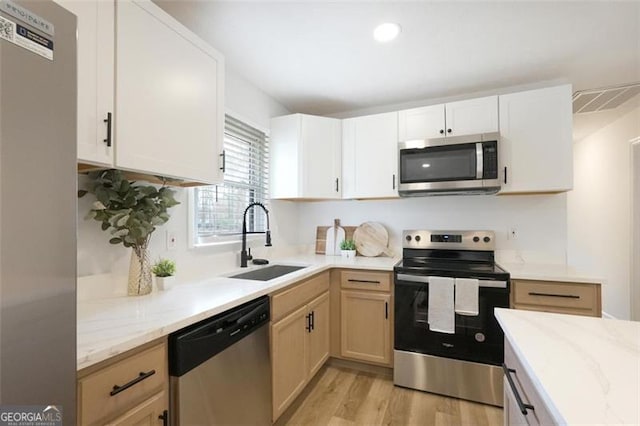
(513, 233)
(172, 240)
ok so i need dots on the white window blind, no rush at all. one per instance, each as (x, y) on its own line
(219, 208)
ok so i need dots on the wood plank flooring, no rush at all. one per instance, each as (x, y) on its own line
(343, 396)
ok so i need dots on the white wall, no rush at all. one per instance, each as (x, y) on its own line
(599, 210)
(540, 220)
(97, 256)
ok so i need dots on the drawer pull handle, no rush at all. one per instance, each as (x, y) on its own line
(363, 281)
(523, 407)
(565, 296)
(117, 389)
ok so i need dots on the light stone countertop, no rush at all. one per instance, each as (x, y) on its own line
(587, 370)
(110, 326)
(549, 272)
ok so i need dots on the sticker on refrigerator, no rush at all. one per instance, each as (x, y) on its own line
(27, 16)
(25, 38)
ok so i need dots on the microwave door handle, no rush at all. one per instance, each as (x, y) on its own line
(479, 161)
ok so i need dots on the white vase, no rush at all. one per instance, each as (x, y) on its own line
(348, 254)
(165, 283)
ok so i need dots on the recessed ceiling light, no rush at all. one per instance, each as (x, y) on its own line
(386, 32)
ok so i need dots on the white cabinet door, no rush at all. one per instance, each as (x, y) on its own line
(512, 414)
(536, 148)
(472, 116)
(370, 150)
(305, 157)
(169, 96)
(95, 78)
(421, 123)
(321, 153)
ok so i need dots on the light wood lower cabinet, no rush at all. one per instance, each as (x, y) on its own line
(319, 335)
(366, 326)
(362, 321)
(289, 359)
(130, 389)
(299, 340)
(560, 297)
(151, 412)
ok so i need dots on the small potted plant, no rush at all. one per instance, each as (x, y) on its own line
(164, 270)
(348, 248)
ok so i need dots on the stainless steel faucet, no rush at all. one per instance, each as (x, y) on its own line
(244, 256)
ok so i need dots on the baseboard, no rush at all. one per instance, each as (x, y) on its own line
(607, 316)
(360, 366)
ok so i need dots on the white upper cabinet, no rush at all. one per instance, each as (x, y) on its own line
(149, 101)
(370, 156)
(536, 147)
(305, 157)
(169, 96)
(95, 79)
(421, 123)
(468, 117)
(473, 116)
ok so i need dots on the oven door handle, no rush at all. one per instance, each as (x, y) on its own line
(479, 161)
(425, 280)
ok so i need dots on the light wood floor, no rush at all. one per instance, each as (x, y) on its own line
(344, 396)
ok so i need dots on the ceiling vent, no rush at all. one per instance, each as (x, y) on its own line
(605, 98)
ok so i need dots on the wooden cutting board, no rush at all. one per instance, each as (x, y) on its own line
(321, 237)
(371, 239)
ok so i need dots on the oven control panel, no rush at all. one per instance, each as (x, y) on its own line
(449, 240)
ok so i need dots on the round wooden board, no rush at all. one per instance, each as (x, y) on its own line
(371, 239)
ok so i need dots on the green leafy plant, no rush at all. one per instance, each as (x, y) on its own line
(130, 212)
(347, 245)
(164, 268)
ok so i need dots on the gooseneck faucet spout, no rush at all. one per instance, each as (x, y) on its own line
(244, 256)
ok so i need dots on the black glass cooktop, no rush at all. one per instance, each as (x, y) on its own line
(456, 266)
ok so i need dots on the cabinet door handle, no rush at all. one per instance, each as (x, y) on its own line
(363, 281)
(564, 296)
(308, 326)
(108, 122)
(386, 310)
(394, 181)
(164, 417)
(505, 175)
(117, 389)
(448, 130)
(313, 320)
(224, 161)
(442, 131)
(523, 407)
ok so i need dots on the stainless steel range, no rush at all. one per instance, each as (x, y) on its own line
(447, 340)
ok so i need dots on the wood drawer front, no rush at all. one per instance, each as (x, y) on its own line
(94, 391)
(540, 414)
(296, 296)
(359, 280)
(566, 297)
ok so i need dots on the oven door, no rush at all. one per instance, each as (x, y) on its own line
(434, 165)
(477, 338)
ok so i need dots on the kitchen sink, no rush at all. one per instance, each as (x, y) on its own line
(268, 273)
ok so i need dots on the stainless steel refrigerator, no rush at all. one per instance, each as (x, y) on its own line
(38, 183)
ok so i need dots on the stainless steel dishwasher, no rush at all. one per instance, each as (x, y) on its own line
(220, 370)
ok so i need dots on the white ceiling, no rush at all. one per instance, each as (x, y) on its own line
(320, 57)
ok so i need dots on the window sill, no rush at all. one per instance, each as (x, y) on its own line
(227, 242)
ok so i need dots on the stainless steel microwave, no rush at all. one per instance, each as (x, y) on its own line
(451, 165)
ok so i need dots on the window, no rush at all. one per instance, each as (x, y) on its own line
(219, 208)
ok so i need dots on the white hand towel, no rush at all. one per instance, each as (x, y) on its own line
(467, 296)
(441, 315)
